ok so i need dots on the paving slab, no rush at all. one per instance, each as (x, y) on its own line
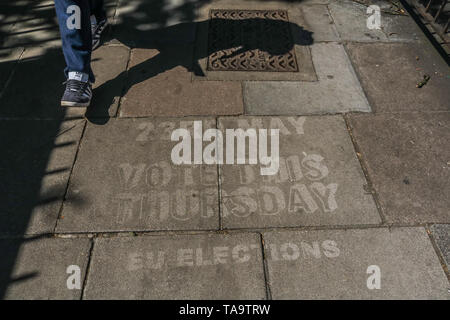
(177, 267)
(255, 4)
(37, 157)
(319, 180)
(318, 20)
(339, 264)
(9, 13)
(350, 19)
(43, 97)
(402, 29)
(338, 89)
(36, 269)
(124, 179)
(407, 159)
(109, 64)
(389, 74)
(159, 84)
(8, 60)
(441, 234)
(144, 24)
(32, 24)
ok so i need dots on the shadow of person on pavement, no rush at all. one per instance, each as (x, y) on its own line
(177, 45)
(33, 171)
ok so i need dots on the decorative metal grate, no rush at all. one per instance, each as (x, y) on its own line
(250, 40)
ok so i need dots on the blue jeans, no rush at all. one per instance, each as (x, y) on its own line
(77, 43)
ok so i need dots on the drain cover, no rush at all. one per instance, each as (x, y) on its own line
(250, 40)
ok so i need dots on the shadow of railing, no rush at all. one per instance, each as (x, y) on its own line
(31, 120)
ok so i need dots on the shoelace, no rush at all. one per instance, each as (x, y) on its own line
(75, 85)
(98, 27)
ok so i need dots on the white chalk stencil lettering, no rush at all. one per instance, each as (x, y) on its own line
(159, 191)
(302, 176)
(222, 255)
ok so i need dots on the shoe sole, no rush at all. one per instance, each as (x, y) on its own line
(74, 104)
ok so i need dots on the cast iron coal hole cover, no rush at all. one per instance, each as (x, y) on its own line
(250, 40)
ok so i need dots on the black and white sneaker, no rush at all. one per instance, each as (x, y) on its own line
(77, 94)
(97, 30)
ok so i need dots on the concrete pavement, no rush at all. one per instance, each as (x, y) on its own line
(358, 209)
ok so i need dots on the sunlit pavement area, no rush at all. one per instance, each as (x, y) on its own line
(364, 172)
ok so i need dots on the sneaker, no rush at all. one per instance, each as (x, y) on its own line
(77, 94)
(97, 30)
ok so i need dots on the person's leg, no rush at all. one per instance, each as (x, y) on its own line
(99, 21)
(98, 9)
(76, 42)
(75, 28)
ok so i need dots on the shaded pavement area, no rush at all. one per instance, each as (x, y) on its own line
(364, 166)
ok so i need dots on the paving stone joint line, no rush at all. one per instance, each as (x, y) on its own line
(363, 165)
(88, 268)
(439, 253)
(70, 176)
